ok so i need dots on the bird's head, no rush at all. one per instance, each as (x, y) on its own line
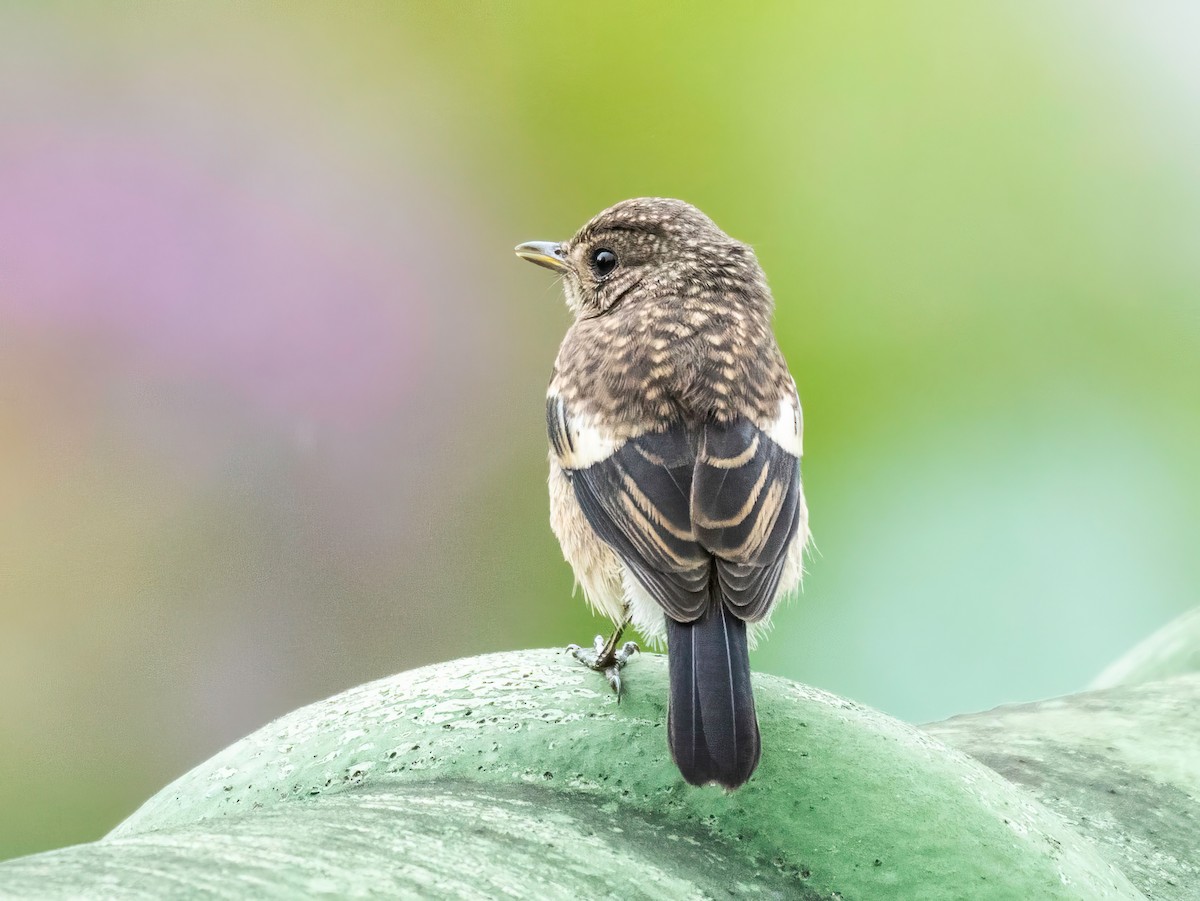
(649, 249)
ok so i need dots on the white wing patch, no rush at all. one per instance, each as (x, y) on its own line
(788, 427)
(578, 441)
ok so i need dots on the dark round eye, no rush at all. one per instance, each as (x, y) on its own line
(604, 261)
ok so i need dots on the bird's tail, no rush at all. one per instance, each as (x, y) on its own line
(711, 724)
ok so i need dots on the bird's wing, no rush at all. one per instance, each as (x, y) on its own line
(668, 510)
(746, 503)
(636, 495)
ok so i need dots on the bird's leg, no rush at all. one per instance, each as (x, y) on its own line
(605, 657)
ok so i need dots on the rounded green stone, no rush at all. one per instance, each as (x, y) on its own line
(519, 773)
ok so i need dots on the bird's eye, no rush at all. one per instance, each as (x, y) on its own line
(604, 261)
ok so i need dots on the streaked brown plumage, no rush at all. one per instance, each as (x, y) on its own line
(675, 435)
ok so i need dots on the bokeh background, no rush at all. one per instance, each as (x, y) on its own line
(271, 380)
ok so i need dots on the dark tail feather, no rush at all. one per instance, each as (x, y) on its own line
(711, 723)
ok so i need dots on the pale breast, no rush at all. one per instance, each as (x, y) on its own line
(597, 568)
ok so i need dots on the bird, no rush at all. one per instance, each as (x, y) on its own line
(675, 436)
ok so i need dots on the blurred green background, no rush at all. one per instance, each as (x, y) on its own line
(271, 380)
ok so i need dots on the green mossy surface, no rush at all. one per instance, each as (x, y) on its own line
(519, 773)
(1122, 766)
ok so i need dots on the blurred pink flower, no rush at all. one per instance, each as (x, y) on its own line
(143, 249)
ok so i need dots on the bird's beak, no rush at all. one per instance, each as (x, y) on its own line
(544, 253)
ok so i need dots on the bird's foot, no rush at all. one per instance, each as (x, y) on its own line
(605, 657)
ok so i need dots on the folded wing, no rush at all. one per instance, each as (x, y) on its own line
(745, 509)
(673, 505)
(637, 500)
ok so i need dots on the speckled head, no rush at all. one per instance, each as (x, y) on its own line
(672, 317)
(646, 249)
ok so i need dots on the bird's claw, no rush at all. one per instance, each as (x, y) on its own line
(605, 659)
